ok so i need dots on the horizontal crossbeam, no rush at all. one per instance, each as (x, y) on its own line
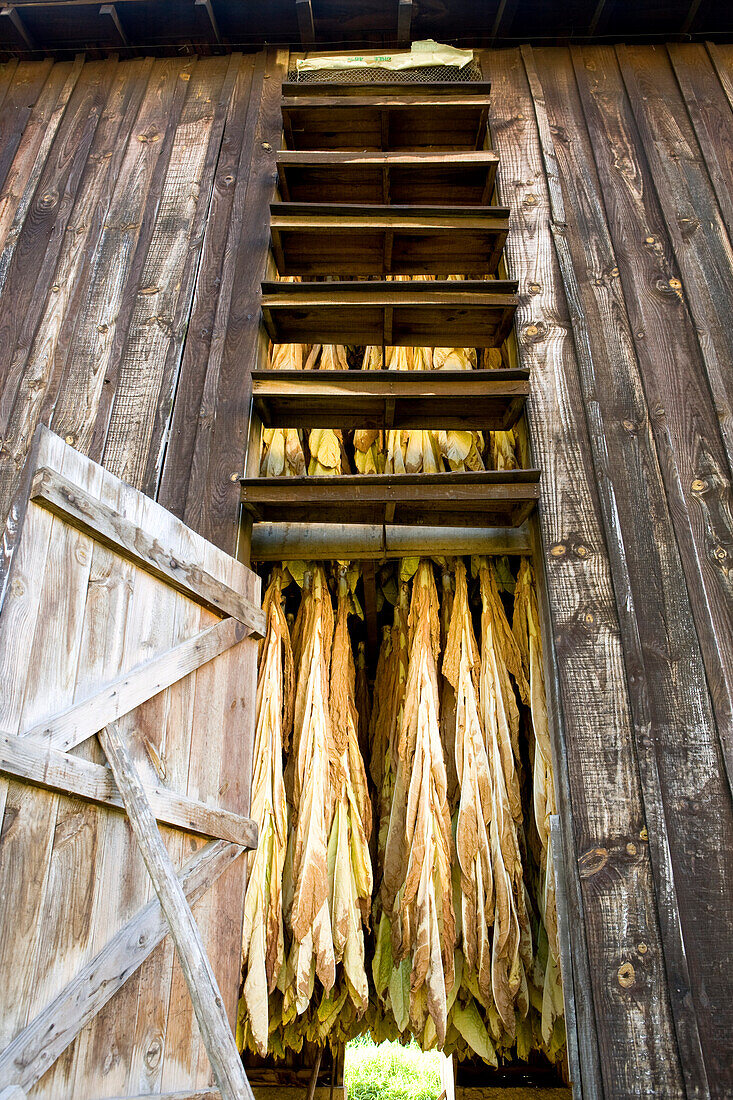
(35, 762)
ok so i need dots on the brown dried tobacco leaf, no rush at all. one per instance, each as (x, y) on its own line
(312, 757)
(350, 870)
(461, 666)
(512, 940)
(282, 448)
(418, 897)
(263, 950)
(527, 632)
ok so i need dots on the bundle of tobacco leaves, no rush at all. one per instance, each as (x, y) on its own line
(263, 945)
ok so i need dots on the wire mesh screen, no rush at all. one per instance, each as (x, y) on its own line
(428, 74)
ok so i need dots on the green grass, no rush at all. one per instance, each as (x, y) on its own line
(390, 1071)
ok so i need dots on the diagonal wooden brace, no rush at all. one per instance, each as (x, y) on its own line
(200, 979)
(72, 726)
(47, 1036)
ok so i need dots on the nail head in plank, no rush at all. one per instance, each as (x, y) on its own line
(90, 515)
(202, 985)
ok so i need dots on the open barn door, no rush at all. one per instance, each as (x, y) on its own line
(128, 668)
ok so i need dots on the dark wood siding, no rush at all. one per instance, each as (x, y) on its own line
(133, 238)
(613, 162)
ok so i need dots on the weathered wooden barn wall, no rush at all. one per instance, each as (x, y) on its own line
(133, 215)
(617, 166)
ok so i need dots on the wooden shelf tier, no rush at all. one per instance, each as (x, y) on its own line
(422, 177)
(470, 313)
(385, 116)
(481, 399)
(337, 239)
(490, 498)
(375, 542)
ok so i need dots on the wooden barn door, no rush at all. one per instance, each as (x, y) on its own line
(127, 678)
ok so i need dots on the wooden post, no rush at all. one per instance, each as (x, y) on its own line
(202, 985)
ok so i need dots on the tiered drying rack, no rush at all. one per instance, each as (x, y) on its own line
(411, 162)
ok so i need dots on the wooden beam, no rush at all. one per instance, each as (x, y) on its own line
(202, 985)
(306, 26)
(690, 17)
(27, 759)
(207, 6)
(375, 542)
(197, 1094)
(502, 20)
(70, 727)
(595, 21)
(53, 491)
(404, 22)
(644, 722)
(111, 11)
(11, 12)
(46, 1037)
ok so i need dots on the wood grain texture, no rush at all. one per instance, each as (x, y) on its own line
(199, 344)
(633, 1030)
(45, 359)
(696, 227)
(191, 279)
(112, 528)
(711, 115)
(80, 721)
(27, 80)
(28, 162)
(125, 616)
(162, 296)
(31, 268)
(221, 440)
(667, 689)
(662, 577)
(202, 985)
(32, 1052)
(42, 766)
(116, 264)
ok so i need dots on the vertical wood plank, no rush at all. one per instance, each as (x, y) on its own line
(634, 1028)
(133, 282)
(202, 985)
(64, 77)
(187, 410)
(92, 343)
(25, 110)
(212, 504)
(109, 1045)
(688, 442)
(151, 332)
(40, 377)
(54, 645)
(696, 228)
(667, 687)
(31, 270)
(190, 279)
(711, 115)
